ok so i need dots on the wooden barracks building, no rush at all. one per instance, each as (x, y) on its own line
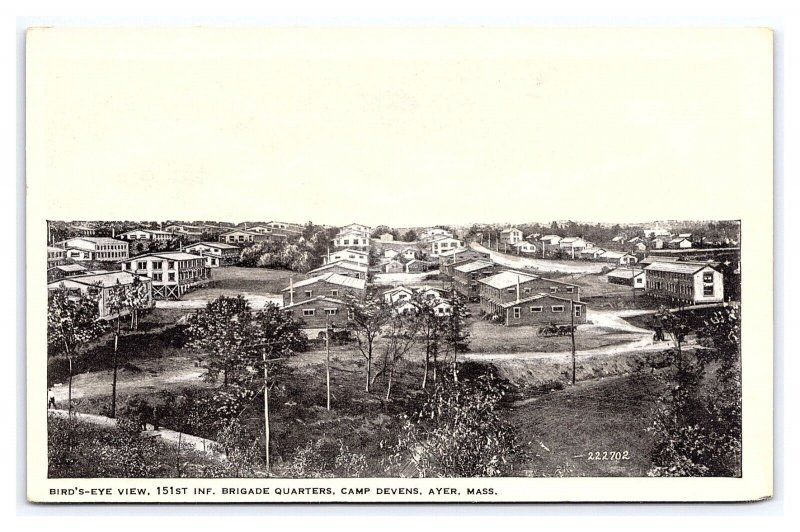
(688, 282)
(331, 285)
(173, 273)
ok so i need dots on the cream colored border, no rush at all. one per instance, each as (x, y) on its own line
(700, 148)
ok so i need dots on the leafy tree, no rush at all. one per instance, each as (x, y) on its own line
(697, 421)
(366, 319)
(458, 432)
(72, 322)
(222, 331)
(410, 236)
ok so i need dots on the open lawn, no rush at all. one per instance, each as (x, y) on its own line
(492, 337)
(596, 428)
(257, 284)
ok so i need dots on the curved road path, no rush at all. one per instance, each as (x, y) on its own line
(519, 261)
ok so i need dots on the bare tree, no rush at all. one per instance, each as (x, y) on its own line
(401, 335)
(367, 318)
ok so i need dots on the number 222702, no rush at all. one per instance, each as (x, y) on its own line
(609, 455)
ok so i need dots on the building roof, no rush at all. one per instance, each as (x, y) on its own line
(105, 279)
(615, 254)
(677, 267)
(245, 231)
(343, 264)
(96, 239)
(452, 252)
(70, 268)
(679, 239)
(220, 245)
(592, 251)
(625, 273)
(653, 258)
(168, 255)
(474, 266)
(509, 230)
(348, 250)
(570, 239)
(318, 298)
(332, 278)
(141, 230)
(507, 278)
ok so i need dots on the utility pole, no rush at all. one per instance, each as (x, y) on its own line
(572, 333)
(328, 361)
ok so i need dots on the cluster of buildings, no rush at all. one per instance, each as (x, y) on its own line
(686, 282)
(517, 298)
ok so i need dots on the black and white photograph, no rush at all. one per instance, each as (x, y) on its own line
(463, 264)
(214, 349)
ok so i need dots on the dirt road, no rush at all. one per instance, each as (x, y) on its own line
(257, 302)
(519, 261)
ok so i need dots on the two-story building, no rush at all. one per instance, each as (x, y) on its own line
(572, 246)
(173, 272)
(352, 255)
(508, 285)
(95, 248)
(510, 236)
(441, 245)
(216, 253)
(100, 285)
(467, 275)
(687, 282)
(55, 256)
(458, 256)
(329, 285)
(146, 234)
(242, 237)
(351, 240)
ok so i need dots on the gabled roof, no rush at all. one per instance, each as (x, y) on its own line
(348, 250)
(474, 266)
(679, 239)
(507, 278)
(509, 230)
(677, 267)
(166, 255)
(95, 240)
(220, 245)
(318, 298)
(592, 251)
(550, 237)
(105, 280)
(245, 231)
(332, 278)
(625, 273)
(70, 268)
(615, 255)
(342, 264)
(570, 239)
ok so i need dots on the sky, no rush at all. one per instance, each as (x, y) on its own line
(403, 127)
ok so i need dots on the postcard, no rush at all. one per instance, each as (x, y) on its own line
(399, 264)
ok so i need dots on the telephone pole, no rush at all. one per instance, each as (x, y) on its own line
(572, 333)
(328, 361)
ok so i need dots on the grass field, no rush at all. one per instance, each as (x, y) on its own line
(563, 431)
(491, 337)
(234, 280)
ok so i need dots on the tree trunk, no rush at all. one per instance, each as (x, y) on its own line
(425, 372)
(389, 384)
(369, 370)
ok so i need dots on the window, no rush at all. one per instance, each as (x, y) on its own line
(510, 290)
(141, 265)
(527, 290)
(157, 265)
(331, 311)
(308, 312)
(171, 265)
(308, 293)
(708, 277)
(577, 311)
(553, 289)
(170, 276)
(708, 290)
(334, 292)
(157, 277)
(557, 308)
(516, 312)
(536, 309)
(570, 290)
